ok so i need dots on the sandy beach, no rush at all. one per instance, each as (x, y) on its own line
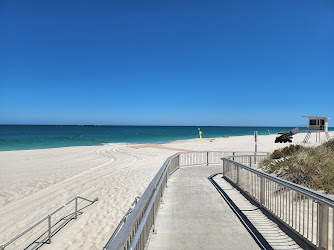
(35, 182)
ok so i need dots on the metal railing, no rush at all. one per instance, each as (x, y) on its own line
(252, 160)
(308, 213)
(134, 203)
(212, 157)
(305, 211)
(136, 231)
(49, 224)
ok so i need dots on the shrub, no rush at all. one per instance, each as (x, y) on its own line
(287, 151)
(311, 167)
(329, 145)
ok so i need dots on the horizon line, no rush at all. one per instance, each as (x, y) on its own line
(114, 125)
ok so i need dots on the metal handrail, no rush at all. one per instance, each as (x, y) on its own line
(249, 159)
(124, 237)
(303, 190)
(48, 217)
(227, 151)
(290, 203)
(146, 216)
(135, 232)
(134, 203)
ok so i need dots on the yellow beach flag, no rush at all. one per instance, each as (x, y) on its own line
(200, 133)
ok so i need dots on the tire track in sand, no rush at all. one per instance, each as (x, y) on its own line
(49, 195)
(118, 160)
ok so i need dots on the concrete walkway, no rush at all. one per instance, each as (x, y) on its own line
(195, 215)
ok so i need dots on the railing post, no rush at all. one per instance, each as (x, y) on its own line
(207, 158)
(323, 225)
(49, 228)
(224, 167)
(250, 161)
(76, 208)
(255, 158)
(153, 219)
(178, 162)
(262, 191)
(238, 175)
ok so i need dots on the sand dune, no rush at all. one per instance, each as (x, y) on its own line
(34, 182)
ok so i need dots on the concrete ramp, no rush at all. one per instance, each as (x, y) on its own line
(196, 215)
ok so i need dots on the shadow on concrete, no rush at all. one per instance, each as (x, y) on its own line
(256, 235)
(247, 223)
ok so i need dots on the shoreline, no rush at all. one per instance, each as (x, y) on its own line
(139, 143)
(13, 138)
(130, 144)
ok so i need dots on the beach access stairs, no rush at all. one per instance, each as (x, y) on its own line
(181, 207)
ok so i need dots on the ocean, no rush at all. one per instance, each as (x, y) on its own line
(23, 137)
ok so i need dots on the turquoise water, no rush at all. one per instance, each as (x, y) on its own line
(20, 137)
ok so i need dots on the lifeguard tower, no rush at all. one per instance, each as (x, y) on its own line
(318, 125)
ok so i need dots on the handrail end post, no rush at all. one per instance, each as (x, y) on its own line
(323, 227)
(224, 168)
(49, 229)
(76, 208)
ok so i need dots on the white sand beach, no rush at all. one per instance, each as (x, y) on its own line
(35, 182)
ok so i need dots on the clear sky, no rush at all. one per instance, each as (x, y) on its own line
(225, 62)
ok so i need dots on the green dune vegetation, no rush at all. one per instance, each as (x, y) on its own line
(310, 167)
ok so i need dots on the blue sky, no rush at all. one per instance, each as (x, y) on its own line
(166, 62)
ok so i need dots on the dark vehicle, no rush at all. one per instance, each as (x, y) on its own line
(286, 136)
